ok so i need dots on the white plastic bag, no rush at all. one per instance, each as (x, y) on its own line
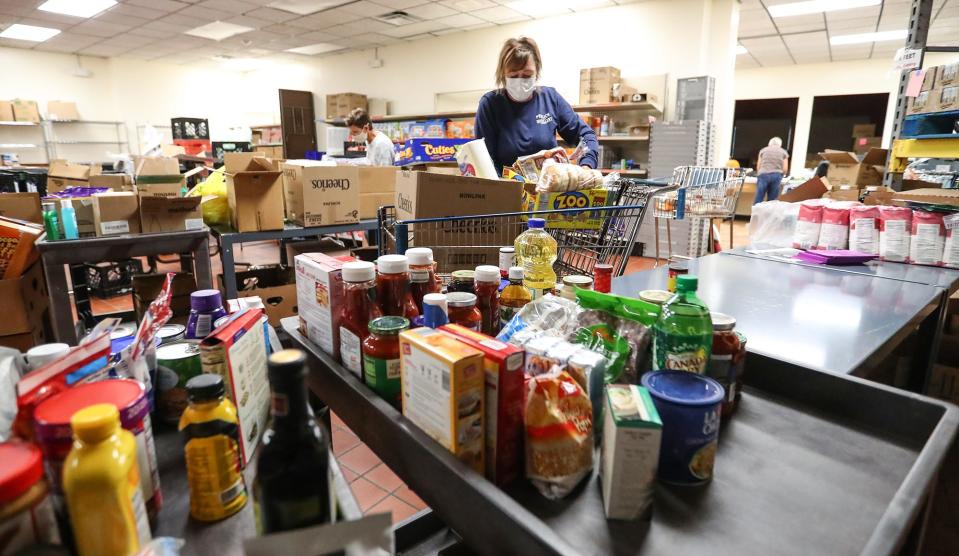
(773, 223)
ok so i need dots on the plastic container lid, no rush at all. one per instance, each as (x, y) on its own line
(461, 299)
(436, 299)
(578, 281)
(206, 387)
(463, 275)
(205, 301)
(507, 249)
(56, 411)
(359, 271)
(537, 223)
(96, 422)
(171, 330)
(683, 388)
(686, 283)
(393, 264)
(22, 468)
(655, 296)
(516, 273)
(44, 351)
(420, 255)
(388, 326)
(487, 273)
(722, 321)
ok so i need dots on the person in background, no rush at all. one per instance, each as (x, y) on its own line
(522, 118)
(773, 165)
(379, 147)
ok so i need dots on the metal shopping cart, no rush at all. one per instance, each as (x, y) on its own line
(702, 193)
(604, 234)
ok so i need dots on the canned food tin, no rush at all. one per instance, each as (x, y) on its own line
(123, 330)
(170, 333)
(176, 364)
(689, 405)
(677, 267)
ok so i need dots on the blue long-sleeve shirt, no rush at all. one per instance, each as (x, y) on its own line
(513, 129)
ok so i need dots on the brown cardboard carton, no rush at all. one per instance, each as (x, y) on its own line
(116, 213)
(255, 192)
(878, 195)
(596, 84)
(146, 288)
(64, 111)
(944, 383)
(862, 145)
(320, 195)
(431, 195)
(63, 174)
(922, 103)
(933, 196)
(6, 111)
(158, 176)
(812, 189)
(863, 130)
(370, 203)
(929, 79)
(845, 167)
(843, 193)
(22, 206)
(340, 105)
(947, 75)
(23, 302)
(274, 285)
(946, 98)
(26, 111)
(116, 182)
(162, 214)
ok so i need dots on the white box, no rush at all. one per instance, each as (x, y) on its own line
(319, 298)
(632, 431)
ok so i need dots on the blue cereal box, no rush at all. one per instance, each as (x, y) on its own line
(425, 150)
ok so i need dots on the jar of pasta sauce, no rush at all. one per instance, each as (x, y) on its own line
(463, 310)
(726, 353)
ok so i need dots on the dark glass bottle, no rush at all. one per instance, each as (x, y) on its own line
(293, 486)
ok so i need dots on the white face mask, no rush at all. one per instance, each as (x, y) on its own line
(360, 137)
(520, 89)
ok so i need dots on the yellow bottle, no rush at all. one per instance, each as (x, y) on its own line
(210, 427)
(102, 485)
(536, 252)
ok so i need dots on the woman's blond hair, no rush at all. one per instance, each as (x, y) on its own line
(514, 55)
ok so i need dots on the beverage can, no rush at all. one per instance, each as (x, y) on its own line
(177, 363)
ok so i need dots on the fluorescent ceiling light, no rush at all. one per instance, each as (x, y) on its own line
(218, 30)
(28, 32)
(78, 8)
(740, 49)
(818, 6)
(318, 48)
(859, 38)
(305, 7)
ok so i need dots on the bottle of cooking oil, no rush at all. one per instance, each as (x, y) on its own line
(513, 297)
(536, 252)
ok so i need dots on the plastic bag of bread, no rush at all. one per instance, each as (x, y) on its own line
(560, 177)
(618, 328)
(559, 433)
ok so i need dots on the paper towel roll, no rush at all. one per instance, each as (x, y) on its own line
(474, 160)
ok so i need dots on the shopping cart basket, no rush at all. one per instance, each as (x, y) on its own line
(463, 242)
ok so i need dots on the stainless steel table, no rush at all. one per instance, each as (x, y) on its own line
(193, 245)
(817, 318)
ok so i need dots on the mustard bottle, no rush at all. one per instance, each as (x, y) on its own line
(102, 485)
(209, 426)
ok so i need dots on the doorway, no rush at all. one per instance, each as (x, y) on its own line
(758, 120)
(833, 119)
(298, 122)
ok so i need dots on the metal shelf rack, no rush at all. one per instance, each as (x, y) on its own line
(52, 140)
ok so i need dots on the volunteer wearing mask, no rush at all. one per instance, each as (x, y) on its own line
(379, 148)
(521, 118)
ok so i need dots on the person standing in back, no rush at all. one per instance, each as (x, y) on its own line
(773, 165)
(379, 148)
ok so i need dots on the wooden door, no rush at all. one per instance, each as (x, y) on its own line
(298, 122)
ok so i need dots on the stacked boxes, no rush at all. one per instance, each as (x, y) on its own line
(939, 92)
(340, 105)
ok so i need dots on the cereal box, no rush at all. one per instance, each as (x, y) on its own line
(586, 198)
(319, 297)
(442, 386)
(503, 365)
(631, 436)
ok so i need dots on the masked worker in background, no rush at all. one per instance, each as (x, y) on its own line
(379, 147)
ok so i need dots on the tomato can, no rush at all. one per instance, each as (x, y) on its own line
(177, 363)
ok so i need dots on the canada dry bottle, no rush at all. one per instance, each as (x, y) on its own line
(293, 486)
(683, 334)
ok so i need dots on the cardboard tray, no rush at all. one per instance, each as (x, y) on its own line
(812, 463)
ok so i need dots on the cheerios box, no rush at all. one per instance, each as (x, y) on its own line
(587, 198)
(442, 391)
(319, 298)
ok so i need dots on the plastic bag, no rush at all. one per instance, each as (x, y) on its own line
(808, 224)
(773, 223)
(530, 166)
(927, 238)
(215, 204)
(894, 229)
(619, 328)
(547, 315)
(559, 177)
(12, 367)
(559, 433)
(864, 229)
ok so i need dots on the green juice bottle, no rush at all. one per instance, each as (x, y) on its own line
(683, 334)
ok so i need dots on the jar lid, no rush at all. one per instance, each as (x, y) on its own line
(359, 271)
(655, 296)
(487, 273)
(461, 299)
(206, 387)
(22, 468)
(420, 255)
(171, 330)
(722, 321)
(537, 223)
(678, 264)
(516, 273)
(463, 275)
(388, 326)
(577, 280)
(507, 249)
(205, 300)
(393, 264)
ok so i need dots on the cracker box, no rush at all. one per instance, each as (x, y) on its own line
(422, 150)
(237, 352)
(632, 431)
(503, 367)
(319, 297)
(442, 386)
(586, 198)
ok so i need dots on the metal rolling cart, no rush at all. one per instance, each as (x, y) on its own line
(584, 236)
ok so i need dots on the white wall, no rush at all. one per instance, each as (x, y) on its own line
(837, 78)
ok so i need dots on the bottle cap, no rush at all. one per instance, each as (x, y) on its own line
(286, 364)
(659, 297)
(463, 275)
(722, 321)
(388, 326)
(206, 387)
(507, 249)
(392, 264)
(420, 255)
(437, 300)
(205, 301)
(66, 203)
(49, 205)
(487, 273)
(686, 283)
(516, 273)
(96, 422)
(22, 468)
(537, 223)
(359, 271)
(461, 299)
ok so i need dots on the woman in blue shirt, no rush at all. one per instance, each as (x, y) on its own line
(520, 118)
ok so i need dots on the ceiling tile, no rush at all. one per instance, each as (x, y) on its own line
(850, 26)
(768, 51)
(431, 11)
(247, 21)
(153, 33)
(328, 18)
(755, 23)
(315, 37)
(870, 13)
(104, 50)
(284, 29)
(54, 18)
(468, 5)
(461, 20)
(400, 4)
(365, 8)
(362, 26)
(269, 14)
(406, 31)
(746, 62)
(536, 8)
(130, 40)
(499, 14)
(846, 52)
(808, 48)
(18, 8)
(162, 5)
(418, 37)
(99, 28)
(183, 22)
(801, 23)
(228, 6)
(378, 38)
(120, 19)
(134, 11)
(204, 15)
(162, 26)
(14, 43)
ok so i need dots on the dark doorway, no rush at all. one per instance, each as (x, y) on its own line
(833, 118)
(757, 121)
(298, 122)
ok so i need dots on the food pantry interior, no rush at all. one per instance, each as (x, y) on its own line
(479, 277)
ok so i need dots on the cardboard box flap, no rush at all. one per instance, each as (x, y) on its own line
(839, 157)
(234, 163)
(63, 169)
(157, 166)
(875, 157)
(934, 196)
(812, 189)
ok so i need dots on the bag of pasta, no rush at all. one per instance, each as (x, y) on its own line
(559, 433)
(619, 328)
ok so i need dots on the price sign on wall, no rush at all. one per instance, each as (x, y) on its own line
(907, 59)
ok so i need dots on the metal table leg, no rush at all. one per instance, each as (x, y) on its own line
(229, 270)
(202, 269)
(61, 312)
(927, 346)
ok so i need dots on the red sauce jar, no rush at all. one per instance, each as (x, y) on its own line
(463, 310)
(677, 267)
(726, 352)
(422, 275)
(359, 308)
(603, 278)
(381, 357)
(486, 287)
(393, 287)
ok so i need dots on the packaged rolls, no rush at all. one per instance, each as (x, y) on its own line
(568, 177)
(474, 160)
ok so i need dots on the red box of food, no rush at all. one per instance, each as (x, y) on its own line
(503, 369)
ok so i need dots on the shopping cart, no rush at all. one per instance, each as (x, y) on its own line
(603, 234)
(702, 193)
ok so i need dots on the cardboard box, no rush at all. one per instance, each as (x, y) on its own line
(812, 189)
(170, 214)
(503, 366)
(23, 342)
(862, 145)
(432, 195)
(6, 111)
(62, 174)
(321, 195)
(932, 196)
(632, 431)
(878, 196)
(921, 103)
(275, 285)
(23, 206)
(946, 98)
(83, 208)
(63, 111)
(319, 295)
(116, 182)
(116, 213)
(451, 410)
(158, 176)
(26, 111)
(843, 193)
(255, 192)
(944, 383)
(146, 288)
(929, 79)
(863, 130)
(24, 302)
(946, 75)
(845, 168)
(340, 105)
(596, 84)
(237, 352)
(586, 198)
(370, 203)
